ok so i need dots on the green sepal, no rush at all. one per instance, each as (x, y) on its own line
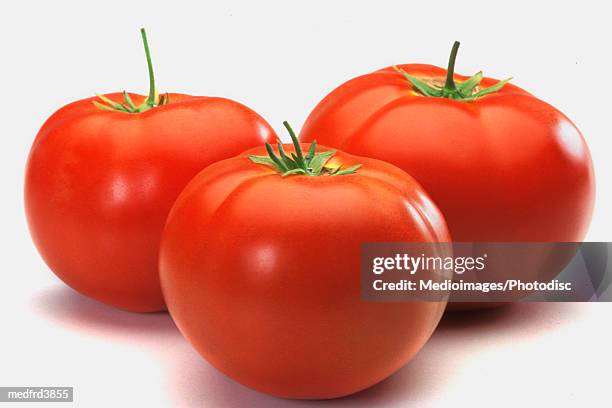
(489, 90)
(288, 162)
(348, 170)
(319, 160)
(112, 104)
(262, 160)
(313, 164)
(466, 87)
(311, 151)
(103, 107)
(294, 171)
(464, 91)
(129, 101)
(421, 86)
(275, 159)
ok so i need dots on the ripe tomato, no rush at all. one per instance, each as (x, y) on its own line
(505, 166)
(101, 179)
(261, 272)
(502, 167)
(501, 164)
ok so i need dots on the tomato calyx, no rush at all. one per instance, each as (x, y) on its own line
(153, 99)
(467, 90)
(312, 164)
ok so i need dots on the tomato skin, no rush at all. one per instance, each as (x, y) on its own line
(261, 274)
(99, 186)
(505, 167)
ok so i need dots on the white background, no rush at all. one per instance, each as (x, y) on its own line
(280, 58)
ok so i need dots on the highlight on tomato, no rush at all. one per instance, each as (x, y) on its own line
(103, 173)
(501, 164)
(260, 267)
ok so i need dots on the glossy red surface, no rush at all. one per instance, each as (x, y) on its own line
(99, 186)
(261, 274)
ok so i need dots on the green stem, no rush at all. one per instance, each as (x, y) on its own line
(314, 164)
(467, 90)
(450, 81)
(151, 98)
(150, 102)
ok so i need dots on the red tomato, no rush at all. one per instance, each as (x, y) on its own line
(261, 272)
(99, 185)
(501, 165)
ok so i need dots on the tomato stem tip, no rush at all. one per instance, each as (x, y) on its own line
(153, 99)
(450, 72)
(467, 90)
